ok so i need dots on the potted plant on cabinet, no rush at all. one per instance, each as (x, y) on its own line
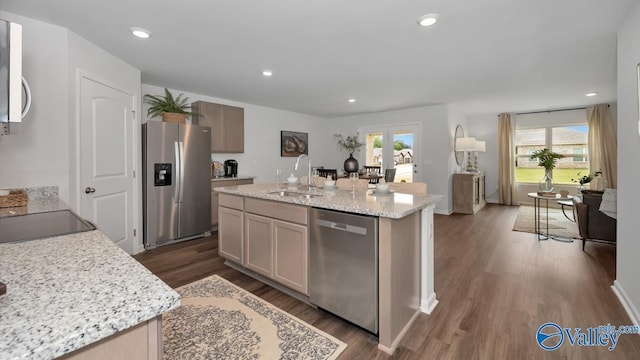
(350, 144)
(583, 180)
(170, 108)
(547, 159)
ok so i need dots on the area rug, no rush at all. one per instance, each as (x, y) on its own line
(558, 224)
(218, 320)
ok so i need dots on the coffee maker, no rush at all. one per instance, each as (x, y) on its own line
(230, 168)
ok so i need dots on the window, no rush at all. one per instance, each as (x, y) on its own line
(570, 141)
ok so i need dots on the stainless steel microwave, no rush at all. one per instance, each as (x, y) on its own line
(10, 72)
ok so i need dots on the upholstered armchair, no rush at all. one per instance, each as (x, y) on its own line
(592, 223)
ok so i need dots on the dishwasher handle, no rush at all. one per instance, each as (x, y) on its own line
(342, 227)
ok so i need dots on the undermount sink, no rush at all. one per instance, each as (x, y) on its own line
(295, 194)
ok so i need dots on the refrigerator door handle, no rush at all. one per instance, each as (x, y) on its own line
(178, 163)
(181, 170)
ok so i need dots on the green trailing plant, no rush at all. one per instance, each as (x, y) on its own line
(350, 144)
(582, 180)
(546, 158)
(167, 104)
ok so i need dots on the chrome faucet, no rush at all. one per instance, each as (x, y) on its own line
(295, 168)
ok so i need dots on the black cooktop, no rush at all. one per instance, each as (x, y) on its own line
(41, 225)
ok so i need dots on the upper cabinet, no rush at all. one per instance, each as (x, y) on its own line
(226, 122)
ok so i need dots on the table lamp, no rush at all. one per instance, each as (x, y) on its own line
(480, 146)
(466, 144)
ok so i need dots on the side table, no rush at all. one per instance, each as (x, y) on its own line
(537, 203)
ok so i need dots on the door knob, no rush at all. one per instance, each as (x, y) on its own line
(89, 190)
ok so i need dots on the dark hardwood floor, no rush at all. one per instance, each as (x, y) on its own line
(495, 287)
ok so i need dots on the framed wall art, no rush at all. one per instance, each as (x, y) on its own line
(293, 144)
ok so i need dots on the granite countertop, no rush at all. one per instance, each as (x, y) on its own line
(66, 292)
(239, 177)
(393, 205)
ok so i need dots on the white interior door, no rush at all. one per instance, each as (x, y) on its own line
(107, 125)
(394, 147)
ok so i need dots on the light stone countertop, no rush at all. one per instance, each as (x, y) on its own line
(393, 205)
(66, 292)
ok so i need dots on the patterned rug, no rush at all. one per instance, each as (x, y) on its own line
(558, 224)
(218, 320)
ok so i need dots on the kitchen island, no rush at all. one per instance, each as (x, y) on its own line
(405, 243)
(79, 296)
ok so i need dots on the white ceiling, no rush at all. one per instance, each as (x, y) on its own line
(500, 55)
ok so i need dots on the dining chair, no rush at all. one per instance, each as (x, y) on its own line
(372, 170)
(389, 175)
(326, 172)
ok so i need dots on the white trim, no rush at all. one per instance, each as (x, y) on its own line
(443, 212)
(394, 344)
(628, 305)
(429, 304)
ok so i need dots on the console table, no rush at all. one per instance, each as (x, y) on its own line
(468, 192)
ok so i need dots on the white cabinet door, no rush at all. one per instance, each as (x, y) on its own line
(291, 244)
(259, 252)
(231, 234)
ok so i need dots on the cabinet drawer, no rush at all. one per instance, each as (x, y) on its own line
(230, 201)
(277, 210)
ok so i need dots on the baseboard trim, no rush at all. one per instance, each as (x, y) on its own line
(394, 344)
(429, 304)
(629, 307)
(443, 212)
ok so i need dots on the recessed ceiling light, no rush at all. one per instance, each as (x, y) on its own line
(351, 100)
(140, 33)
(267, 72)
(591, 94)
(428, 19)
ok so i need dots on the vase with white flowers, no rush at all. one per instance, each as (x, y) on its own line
(350, 144)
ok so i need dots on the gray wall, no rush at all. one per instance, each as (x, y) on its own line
(628, 248)
(38, 152)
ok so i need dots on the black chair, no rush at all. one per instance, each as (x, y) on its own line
(389, 175)
(326, 172)
(593, 224)
(372, 170)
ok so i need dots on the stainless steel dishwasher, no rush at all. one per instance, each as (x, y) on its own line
(343, 266)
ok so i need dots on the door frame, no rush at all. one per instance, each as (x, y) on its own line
(75, 172)
(387, 131)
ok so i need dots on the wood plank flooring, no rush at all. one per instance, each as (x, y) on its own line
(495, 287)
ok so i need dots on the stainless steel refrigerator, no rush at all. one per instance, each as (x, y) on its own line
(176, 160)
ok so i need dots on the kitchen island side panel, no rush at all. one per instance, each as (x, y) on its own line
(399, 287)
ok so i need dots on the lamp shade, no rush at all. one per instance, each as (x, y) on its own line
(466, 144)
(481, 145)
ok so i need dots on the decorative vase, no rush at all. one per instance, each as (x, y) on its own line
(546, 183)
(351, 164)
